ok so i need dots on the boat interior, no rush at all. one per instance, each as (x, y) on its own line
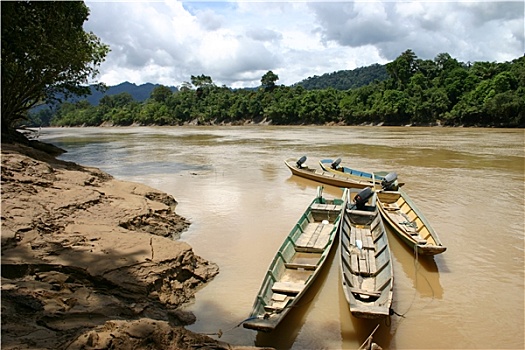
(364, 252)
(404, 217)
(299, 256)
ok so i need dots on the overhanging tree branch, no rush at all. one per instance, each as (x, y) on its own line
(45, 52)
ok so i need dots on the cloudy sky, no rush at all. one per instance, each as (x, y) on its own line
(237, 42)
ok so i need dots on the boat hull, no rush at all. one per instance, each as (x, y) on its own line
(296, 264)
(326, 165)
(326, 177)
(408, 222)
(357, 175)
(365, 262)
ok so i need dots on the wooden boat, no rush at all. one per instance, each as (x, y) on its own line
(365, 257)
(408, 222)
(297, 263)
(334, 166)
(298, 168)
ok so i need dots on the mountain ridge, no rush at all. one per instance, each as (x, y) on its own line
(340, 80)
(138, 92)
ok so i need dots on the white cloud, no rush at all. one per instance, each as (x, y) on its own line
(236, 43)
(209, 20)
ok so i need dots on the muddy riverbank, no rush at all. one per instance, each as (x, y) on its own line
(89, 261)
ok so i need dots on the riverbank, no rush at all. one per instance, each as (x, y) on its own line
(89, 261)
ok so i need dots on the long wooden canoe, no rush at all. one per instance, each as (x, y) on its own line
(297, 263)
(408, 222)
(325, 177)
(335, 167)
(365, 258)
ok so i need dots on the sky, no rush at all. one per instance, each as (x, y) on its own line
(237, 42)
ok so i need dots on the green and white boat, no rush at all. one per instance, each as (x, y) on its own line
(297, 263)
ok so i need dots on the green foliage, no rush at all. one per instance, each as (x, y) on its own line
(161, 93)
(418, 92)
(346, 79)
(74, 114)
(201, 81)
(154, 113)
(402, 69)
(268, 80)
(42, 117)
(45, 53)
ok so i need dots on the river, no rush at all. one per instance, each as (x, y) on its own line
(232, 184)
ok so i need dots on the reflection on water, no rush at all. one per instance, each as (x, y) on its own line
(232, 184)
(423, 271)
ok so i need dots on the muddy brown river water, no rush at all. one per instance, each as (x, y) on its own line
(232, 184)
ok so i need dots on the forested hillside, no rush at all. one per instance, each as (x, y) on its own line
(442, 91)
(346, 79)
(138, 92)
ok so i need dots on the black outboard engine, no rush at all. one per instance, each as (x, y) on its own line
(301, 161)
(335, 164)
(389, 182)
(362, 197)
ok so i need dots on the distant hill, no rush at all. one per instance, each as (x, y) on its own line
(340, 80)
(138, 92)
(346, 79)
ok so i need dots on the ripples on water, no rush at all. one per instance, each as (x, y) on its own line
(231, 183)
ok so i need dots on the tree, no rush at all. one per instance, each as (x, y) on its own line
(161, 93)
(268, 80)
(116, 101)
(201, 81)
(41, 117)
(45, 54)
(402, 68)
(185, 86)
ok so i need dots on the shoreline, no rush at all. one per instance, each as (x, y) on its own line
(89, 261)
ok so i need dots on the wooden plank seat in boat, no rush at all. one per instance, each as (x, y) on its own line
(314, 238)
(363, 262)
(365, 292)
(326, 207)
(287, 287)
(391, 206)
(418, 238)
(361, 212)
(278, 302)
(300, 266)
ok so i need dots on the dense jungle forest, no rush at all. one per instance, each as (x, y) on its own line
(442, 91)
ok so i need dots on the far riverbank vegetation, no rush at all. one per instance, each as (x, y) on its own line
(442, 91)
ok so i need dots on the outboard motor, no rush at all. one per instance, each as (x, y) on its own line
(389, 182)
(336, 163)
(301, 161)
(362, 197)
